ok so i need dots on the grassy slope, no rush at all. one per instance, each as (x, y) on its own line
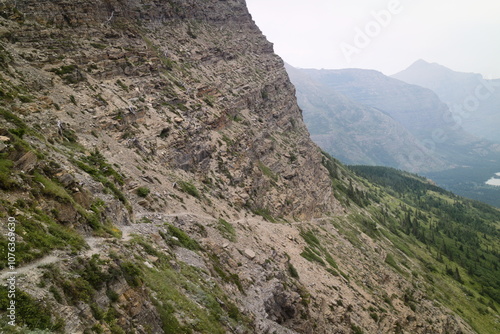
(455, 240)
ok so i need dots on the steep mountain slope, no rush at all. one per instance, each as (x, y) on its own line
(454, 229)
(356, 133)
(474, 101)
(158, 178)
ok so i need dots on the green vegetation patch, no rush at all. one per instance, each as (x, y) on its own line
(267, 172)
(29, 312)
(389, 259)
(264, 213)
(183, 239)
(41, 234)
(464, 231)
(53, 189)
(6, 180)
(226, 229)
(456, 241)
(96, 166)
(188, 303)
(225, 275)
(189, 188)
(122, 85)
(98, 161)
(14, 119)
(312, 256)
(315, 252)
(65, 69)
(293, 271)
(143, 191)
(69, 73)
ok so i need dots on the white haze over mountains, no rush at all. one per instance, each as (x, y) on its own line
(386, 35)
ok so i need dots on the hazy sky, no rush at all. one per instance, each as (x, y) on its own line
(386, 35)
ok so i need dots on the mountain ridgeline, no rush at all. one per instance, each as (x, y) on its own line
(161, 179)
(431, 138)
(355, 132)
(364, 117)
(474, 102)
(472, 99)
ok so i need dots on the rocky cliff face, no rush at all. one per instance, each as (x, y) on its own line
(156, 160)
(191, 75)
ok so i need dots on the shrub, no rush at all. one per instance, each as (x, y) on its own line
(293, 271)
(331, 261)
(64, 69)
(390, 261)
(19, 132)
(310, 239)
(132, 273)
(52, 189)
(25, 99)
(56, 294)
(6, 182)
(29, 312)
(164, 133)
(264, 213)
(311, 256)
(189, 188)
(184, 240)
(356, 329)
(93, 273)
(267, 172)
(122, 85)
(12, 118)
(112, 295)
(143, 192)
(77, 289)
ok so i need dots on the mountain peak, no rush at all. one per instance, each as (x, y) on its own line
(421, 62)
(454, 88)
(424, 66)
(430, 70)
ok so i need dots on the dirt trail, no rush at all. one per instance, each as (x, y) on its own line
(95, 244)
(25, 269)
(55, 256)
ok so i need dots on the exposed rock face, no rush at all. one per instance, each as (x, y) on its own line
(197, 73)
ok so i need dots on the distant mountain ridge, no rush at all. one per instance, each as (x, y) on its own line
(421, 123)
(345, 127)
(473, 100)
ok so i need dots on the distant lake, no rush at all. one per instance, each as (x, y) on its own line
(494, 181)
